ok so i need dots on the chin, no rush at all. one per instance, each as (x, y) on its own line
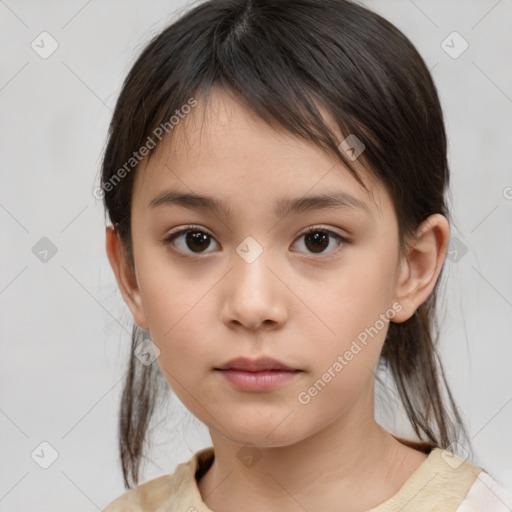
(272, 433)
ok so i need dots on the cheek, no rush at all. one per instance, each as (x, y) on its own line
(349, 317)
(351, 303)
(175, 308)
(169, 293)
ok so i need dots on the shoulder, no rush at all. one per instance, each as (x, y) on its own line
(143, 498)
(449, 482)
(486, 495)
(442, 482)
(178, 491)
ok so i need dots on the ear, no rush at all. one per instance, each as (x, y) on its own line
(125, 278)
(419, 269)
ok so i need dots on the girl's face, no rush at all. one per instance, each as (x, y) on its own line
(253, 283)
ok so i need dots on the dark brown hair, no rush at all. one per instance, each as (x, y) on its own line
(282, 58)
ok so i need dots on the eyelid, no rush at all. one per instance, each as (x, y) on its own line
(309, 229)
(188, 227)
(168, 240)
(174, 233)
(320, 227)
(169, 237)
(341, 241)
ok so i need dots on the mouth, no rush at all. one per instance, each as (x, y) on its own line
(258, 381)
(260, 375)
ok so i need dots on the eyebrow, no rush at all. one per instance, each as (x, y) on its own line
(283, 207)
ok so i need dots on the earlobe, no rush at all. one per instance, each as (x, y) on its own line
(419, 269)
(126, 281)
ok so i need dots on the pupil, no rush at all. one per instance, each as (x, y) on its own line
(322, 238)
(196, 239)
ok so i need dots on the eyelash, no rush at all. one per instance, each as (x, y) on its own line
(194, 228)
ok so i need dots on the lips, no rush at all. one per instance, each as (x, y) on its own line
(256, 365)
(257, 375)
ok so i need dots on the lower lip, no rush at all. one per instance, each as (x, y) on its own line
(258, 381)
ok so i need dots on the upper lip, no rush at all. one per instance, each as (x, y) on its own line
(254, 365)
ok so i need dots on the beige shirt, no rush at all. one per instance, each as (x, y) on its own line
(439, 484)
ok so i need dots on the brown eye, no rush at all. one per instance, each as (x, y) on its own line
(189, 240)
(318, 240)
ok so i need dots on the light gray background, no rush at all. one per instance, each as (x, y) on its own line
(65, 331)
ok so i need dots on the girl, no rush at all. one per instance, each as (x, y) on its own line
(275, 175)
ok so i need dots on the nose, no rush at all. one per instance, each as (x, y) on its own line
(254, 297)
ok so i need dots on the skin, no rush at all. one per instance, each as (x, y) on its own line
(300, 307)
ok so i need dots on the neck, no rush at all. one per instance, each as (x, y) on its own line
(333, 466)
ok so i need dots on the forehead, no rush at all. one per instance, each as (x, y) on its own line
(227, 151)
